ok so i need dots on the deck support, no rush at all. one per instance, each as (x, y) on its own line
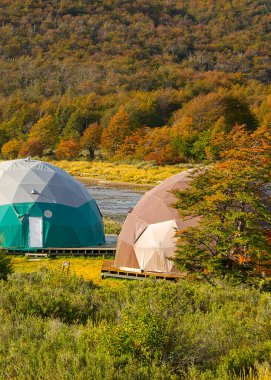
(108, 270)
(84, 251)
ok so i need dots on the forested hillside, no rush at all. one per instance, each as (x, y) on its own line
(107, 46)
(70, 64)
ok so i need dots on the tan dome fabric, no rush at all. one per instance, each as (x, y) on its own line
(155, 246)
(154, 207)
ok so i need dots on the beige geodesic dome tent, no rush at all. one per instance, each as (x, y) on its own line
(147, 239)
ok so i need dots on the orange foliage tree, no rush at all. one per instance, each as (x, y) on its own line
(203, 117)
(67, 149)
(33, 147)
(158, 146)
(152, 144)
(133, 145)
(114, 135)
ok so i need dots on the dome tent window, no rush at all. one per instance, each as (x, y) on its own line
(76, 220)
(48, 214)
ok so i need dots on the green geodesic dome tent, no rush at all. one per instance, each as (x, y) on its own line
(42, 206)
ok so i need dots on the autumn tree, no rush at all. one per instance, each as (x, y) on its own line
(159, 148)
(75, 125)
(208, 115)
(91, 139)
(67, 149)
(114, 135)
(184, 135)
(32, 147)
(10, 129)
(152, 144)
(10, 150)
(134, 145)
(46, 131)
(206, 110)
(207, 144)
(232, 199)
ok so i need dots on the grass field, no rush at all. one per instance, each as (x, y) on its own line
(88, 268)
(142, 173)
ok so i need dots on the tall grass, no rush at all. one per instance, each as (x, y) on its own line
(143, 173)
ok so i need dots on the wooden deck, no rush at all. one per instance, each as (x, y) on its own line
(107, 249)
(108, 270)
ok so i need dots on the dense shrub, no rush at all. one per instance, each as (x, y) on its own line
(59, 325)
(48, 294)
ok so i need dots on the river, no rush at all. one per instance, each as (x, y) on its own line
(113, 202)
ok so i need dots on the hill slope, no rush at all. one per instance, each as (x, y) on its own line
(105, 46)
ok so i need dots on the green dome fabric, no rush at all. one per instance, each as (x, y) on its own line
(43, 206)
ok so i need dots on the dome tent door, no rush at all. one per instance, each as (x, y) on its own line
(35, 232)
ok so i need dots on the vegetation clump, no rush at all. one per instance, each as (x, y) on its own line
(232, 198)
(6, 266)
(137, 173)
(111, 226)
(149, 330)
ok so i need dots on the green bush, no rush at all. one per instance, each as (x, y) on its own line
(5, 265)
(58, 325)
(48, 294)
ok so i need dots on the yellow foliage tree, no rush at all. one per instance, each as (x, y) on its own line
(91, 138)
(46, 131)
(10, 150)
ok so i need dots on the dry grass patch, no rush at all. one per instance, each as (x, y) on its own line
(143, 173)
(87, 267)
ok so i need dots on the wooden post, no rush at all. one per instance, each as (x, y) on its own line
(66, 265)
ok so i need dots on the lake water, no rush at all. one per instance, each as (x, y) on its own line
(115, 203)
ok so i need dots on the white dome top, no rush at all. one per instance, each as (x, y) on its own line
(26, 180)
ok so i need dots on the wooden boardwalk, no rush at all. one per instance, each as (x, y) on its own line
(108, 270)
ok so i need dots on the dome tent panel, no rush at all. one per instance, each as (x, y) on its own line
(130, 232)
(155, 246)
(13, 231)
(153, 206)
(8, 189)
